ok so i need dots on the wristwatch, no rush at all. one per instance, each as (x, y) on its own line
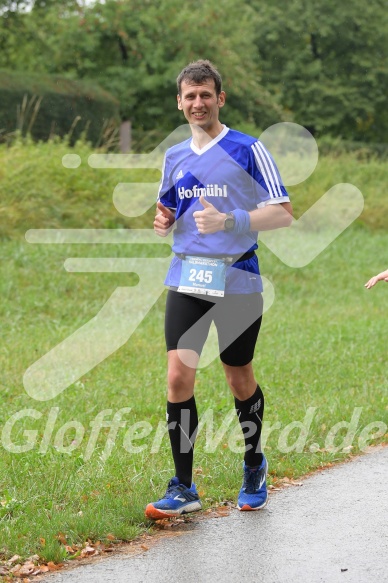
(229, 222)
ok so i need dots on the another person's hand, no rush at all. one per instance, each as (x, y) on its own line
(383, 276)
(164, 220)
(210, 220)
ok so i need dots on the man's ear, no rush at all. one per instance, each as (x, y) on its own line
(221, 99)
(178, 97)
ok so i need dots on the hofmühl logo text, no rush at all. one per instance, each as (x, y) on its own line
(209, 190)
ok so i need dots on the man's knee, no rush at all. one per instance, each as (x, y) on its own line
(177, 378)
(241, 380)
(180, 376)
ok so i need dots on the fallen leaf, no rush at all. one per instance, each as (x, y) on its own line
(42, 541)
(26, 570)
(69, 549)
(110, 536)
(163, 524)
(13, 559)
(52, 566)
(87, 551)
(62, 538)
(145, 548)
(44, 568)
(15, 568)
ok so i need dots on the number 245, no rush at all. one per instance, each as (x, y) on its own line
(201, 275)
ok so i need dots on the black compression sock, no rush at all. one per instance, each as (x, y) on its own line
(182, 419)
(250, 414)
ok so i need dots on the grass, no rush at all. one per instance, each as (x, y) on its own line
(322, 346)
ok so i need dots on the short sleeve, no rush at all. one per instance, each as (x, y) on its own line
(266, 175)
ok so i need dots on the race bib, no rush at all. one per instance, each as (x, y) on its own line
(203, 275)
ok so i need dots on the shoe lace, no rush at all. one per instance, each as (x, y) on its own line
(252, 479)
(173, 489)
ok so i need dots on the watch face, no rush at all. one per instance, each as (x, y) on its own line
(229, 223)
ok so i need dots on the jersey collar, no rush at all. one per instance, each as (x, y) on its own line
(201, 151)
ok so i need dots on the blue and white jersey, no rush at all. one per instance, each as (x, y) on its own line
(233, 171)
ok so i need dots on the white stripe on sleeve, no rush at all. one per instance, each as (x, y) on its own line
(267, 169)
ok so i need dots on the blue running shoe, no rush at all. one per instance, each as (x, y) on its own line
(178, 499)
(253, 494)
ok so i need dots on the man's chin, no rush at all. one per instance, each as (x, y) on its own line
(202, 124)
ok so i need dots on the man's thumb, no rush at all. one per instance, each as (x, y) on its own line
(165, 211)
(204, 202)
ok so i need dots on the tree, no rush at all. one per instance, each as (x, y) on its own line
(141, 46)
(136, 48)
(328, 63)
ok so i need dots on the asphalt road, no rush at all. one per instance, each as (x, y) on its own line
(332, 529)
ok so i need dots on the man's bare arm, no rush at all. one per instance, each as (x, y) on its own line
(272, 216)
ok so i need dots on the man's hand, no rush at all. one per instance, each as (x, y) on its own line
(383, 276)
(164, 220)
(210, 220)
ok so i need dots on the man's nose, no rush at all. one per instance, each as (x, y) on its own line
(198, 101)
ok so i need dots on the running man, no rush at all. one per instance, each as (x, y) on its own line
(218, 189)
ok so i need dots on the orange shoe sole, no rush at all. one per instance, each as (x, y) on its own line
(246, 507)
(155, 514)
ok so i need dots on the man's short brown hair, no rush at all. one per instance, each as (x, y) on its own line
(199, 72)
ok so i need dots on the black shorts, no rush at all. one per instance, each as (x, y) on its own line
(237, 318)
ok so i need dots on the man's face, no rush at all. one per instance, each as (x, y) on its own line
(200, 104)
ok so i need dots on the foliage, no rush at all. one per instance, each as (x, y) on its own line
(323, 63)
(327, 60)
(135, 50)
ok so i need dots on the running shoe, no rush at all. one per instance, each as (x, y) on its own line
(253, 494)
(178, 499)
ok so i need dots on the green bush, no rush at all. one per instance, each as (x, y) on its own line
(44, 106)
